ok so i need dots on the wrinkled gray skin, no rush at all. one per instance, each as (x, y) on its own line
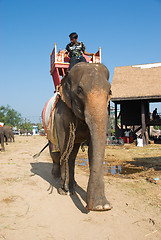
(8, 134)
(84, 96)
(2, 139)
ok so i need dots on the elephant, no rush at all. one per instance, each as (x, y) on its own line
(81, 117)
(2, 139)
(23, 132)
(8, 133)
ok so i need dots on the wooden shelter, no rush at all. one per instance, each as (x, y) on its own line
(134, 87)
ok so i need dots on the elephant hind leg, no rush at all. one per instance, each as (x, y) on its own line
(3, 148)
(56, 166)
(56, 162)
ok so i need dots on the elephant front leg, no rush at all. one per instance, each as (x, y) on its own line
(96, 200)
(2, 144)
(64, 183)
(67, 173)
(66, 130)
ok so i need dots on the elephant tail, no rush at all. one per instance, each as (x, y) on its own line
(38, 154)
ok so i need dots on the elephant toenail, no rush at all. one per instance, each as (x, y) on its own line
(107, 207)
(99, 207)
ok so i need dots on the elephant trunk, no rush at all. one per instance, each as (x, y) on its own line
(96, 119)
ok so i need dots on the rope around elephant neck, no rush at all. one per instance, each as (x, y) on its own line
(69, 148)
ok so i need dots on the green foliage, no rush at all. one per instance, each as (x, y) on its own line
(2, 114)
(9, 116)
(157, 127)
(26, 126)
(39, 126)
(12, 118)
(112, 120)
(112, 132)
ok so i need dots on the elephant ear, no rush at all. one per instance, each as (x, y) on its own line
(65, 90)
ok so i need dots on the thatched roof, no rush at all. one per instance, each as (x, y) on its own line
(137, 82)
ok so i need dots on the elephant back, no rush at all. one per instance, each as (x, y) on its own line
(48, 121)
(48, 110)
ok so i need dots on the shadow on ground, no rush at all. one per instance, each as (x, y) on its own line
(43, 170)
(136, 165)
(148, 162)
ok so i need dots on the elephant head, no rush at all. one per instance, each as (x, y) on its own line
(83, 85)
(86, 91)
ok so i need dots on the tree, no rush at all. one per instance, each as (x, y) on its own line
(26, 126)
(39, 126)
(9, 116)
(2, 114)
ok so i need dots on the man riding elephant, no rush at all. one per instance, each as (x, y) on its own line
(75, 50)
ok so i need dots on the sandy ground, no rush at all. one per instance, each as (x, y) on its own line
(31, 208)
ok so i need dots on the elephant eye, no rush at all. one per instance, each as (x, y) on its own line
(79, 90)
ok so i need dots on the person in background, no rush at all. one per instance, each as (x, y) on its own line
(154, 115)
(75, 50)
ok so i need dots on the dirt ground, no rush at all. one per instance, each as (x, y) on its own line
(31, 208)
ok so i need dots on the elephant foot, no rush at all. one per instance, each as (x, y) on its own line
(62, 191)
(105, 207)
(100, 205)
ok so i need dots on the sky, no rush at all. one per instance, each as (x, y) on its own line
(128, 32)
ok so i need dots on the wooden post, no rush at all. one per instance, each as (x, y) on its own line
(122, 131)
(109, 126)
(116, 132)
(100, 54)
(143, 122)
(148, 126)
(55, 60)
